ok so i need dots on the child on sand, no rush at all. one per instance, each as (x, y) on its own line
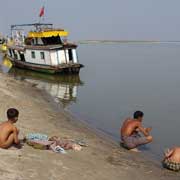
(172, 159)
(8, 131)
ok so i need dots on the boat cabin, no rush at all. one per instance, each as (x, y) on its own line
(44, 45)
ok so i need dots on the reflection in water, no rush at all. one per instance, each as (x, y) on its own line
(63, 87)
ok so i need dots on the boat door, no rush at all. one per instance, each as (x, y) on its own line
(70, 55)
(58, 57)
(22, 58)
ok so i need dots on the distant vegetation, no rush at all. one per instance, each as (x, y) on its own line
(116, 41)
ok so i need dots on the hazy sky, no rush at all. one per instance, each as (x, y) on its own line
(100, 19)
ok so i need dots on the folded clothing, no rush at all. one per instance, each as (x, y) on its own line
(64, 143)
(57, 149)
(40, 144)
(37, 136)
(41, 141)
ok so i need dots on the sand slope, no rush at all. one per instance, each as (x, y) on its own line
(102, 160)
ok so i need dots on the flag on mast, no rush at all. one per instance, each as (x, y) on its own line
(41, 12)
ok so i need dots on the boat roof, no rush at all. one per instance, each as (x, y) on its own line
(41, 30)
(33, 24)
(48, 47)
(47, 33)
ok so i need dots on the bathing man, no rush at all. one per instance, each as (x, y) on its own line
(133, 134)
(8, 132)
(172, 159)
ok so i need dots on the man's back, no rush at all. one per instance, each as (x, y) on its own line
(129, 127)
(5, 129)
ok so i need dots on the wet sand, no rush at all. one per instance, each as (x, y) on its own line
(101, 160)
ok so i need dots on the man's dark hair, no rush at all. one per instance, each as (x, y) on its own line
(138, 114)
(12, 113)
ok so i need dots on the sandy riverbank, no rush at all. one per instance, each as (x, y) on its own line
(101, 160)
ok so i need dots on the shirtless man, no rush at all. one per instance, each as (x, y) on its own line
(172, 159)
(131, 132)
(8, 132)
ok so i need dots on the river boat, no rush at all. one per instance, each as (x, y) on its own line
(43, 49)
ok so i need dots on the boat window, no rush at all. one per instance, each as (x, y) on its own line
(33, 42)
(52, 40)
(29, 41)
(33, 54)
(70, 54)
(42, 55)
(10, 53)
(15, 55)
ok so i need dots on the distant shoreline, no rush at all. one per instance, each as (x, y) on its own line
(124, 41)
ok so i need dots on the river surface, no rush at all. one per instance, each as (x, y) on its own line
(117, 80)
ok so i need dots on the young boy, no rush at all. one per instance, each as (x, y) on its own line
(9, 132)
(172, 159)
